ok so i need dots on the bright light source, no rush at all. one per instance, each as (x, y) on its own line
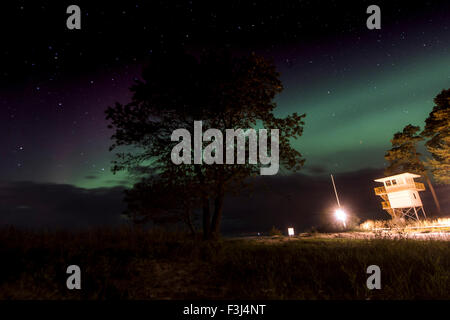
(290, 231)
(341, 215)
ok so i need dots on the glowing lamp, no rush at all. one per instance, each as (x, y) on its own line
(290, 232)
(341, 215)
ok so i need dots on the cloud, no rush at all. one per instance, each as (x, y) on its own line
(118, 182)
(316, 169)
(46, 205)
(92, 177)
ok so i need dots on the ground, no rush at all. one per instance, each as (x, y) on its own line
(419, 235)
(136, 264)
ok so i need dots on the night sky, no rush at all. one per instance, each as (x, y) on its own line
(357, 86)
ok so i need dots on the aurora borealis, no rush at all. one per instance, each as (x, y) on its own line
(357, 86)
(352, 114)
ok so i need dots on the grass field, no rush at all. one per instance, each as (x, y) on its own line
(132, 264)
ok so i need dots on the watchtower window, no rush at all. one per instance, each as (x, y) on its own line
(388, 183)
(394, 182)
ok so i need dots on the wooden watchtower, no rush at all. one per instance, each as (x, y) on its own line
(400, 194)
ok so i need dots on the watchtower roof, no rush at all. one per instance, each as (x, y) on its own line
(402, 175)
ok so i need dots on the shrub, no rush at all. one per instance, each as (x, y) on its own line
(275, 232)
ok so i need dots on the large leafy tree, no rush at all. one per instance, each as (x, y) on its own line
(437, 129)
(223, 91)
(160, 201)
(403, 156)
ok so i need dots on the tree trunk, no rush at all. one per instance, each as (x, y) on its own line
(436, 202)
(206, 206)
(206, 219)
(189, 221)
(217, 217)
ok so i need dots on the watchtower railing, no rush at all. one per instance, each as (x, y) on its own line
(386, 204)
(380, 190)
(419, 186)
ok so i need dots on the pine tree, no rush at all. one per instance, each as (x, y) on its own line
(437, 129)
(403, 156)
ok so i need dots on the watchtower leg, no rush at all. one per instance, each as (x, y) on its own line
(415, 211)
(423, 211)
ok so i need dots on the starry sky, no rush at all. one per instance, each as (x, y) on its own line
(357, 86)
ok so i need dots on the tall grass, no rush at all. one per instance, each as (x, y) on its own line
(440, 224)
(138, 264)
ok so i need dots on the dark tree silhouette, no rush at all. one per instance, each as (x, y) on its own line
(437, 129)
(403, 156)
(155, 200)
(223, 91)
